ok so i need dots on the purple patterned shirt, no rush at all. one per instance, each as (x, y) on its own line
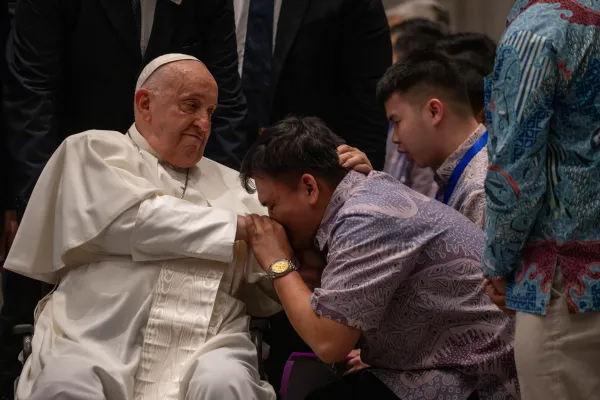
(405, 270)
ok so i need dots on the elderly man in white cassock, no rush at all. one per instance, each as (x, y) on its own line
(143, 239)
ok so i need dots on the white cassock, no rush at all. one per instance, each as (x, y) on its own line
(154, 294)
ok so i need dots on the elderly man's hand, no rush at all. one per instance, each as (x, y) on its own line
(496, 291)
(352, 158)
(268, 240)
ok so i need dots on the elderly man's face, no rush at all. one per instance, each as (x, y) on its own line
(178, 115)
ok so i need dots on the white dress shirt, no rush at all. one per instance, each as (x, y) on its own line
(241, 8)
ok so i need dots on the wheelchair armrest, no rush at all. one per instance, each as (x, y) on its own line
(23, 330)
(27, 332)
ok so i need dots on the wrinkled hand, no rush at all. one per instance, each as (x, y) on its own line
(352, 158)
(496, 291)
(268, 240)
(355, 364)
(9, 231)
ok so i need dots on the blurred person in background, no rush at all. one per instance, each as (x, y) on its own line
(431, 10)
(412, 34)
(543, 194)
(427, 102)
(9, 366)
(474, 55)
(316, 58)
(73, 67)
(415, 34)
(4, 174)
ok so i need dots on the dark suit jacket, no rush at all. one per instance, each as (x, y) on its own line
(74, 64)
(329, 56)
(4, 26)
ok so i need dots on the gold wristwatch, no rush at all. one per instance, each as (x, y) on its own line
(281, 268)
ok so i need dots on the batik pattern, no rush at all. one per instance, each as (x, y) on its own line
(405, 270)
(468, 197)
(543, 183)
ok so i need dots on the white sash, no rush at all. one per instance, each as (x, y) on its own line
(177, 327)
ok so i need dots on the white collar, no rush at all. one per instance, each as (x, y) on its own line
(141, 142)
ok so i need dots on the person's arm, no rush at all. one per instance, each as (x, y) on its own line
(366, 54)
(228, 141)
(331, 319)
(165, 227)
(330, 340)
(523, 86)
(35, 55)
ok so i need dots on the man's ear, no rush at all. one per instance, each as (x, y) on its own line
(480, 117)
(309, 188)
(142, 103)
(435, 109)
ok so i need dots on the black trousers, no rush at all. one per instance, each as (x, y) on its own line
(357, 386)
(362, 385)
(283, 341)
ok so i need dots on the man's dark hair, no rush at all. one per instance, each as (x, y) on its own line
(433, 74)
(416, 34)
(475, 48)
(474, 55)
(292, 147)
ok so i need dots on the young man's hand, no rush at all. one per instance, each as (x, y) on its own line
(496, 291)
(355, 364)
(268, 240)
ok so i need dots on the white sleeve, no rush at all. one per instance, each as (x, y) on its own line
(165, 227)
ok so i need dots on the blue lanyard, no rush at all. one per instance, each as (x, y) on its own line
(462, 164)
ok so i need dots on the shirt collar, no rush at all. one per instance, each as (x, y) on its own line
(141, 141)
(342, 193)
(443, 173)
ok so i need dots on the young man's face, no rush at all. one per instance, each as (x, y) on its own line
(413, 129)
(293, 208)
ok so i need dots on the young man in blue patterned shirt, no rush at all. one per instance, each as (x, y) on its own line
(543, 194)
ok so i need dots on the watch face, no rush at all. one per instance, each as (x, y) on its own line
(280, 266)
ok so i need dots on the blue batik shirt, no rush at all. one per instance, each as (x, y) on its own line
(543, 182)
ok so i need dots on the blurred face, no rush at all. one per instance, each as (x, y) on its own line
(176, 117)
(394, 20)
(298, 209)
(414, 128)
